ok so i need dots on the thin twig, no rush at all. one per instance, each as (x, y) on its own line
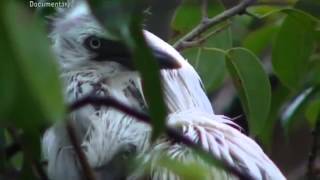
(89, 175)
(313, 152)
(108, 101)
(204, 10)
(140, 116)
(201, 40)
(203, 27)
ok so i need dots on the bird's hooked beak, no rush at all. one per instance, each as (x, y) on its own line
(109, 50)
(165, 60)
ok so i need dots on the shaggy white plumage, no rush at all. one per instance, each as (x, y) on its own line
(105, 133)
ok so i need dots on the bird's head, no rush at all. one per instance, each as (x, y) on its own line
(81, 43)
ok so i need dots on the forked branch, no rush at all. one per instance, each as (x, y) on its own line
(206, 24)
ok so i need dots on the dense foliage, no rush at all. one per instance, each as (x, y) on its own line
(269, 40)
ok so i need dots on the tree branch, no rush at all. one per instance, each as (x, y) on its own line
(172, 133)
(108, 101)
(201, 40)
(204, 26)
(89, 175)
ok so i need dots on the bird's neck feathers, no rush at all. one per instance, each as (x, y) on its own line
(183, 90)
(182, 87)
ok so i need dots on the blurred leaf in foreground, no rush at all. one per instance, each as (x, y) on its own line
(38, 88)
(126, 25)
(31, 80)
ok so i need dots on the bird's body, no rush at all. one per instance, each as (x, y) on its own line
(107, 135)
(190, 110)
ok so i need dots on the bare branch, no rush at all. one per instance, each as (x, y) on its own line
(203, 27)
(108, 101)
(172, 133)
(201, 40)
(89, 175)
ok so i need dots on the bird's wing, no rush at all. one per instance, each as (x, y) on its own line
(214, 133)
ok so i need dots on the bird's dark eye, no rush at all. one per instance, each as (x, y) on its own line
(94, 43)
(103, 49)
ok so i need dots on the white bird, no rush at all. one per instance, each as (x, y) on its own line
(91, 63)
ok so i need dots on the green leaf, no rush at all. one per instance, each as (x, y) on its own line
(190, 171)
(312, 76)
(123, 20)
(7, 75)
(183, 24)
(34, 62)
(258, 40)
(210, 62)
(117, 15)
(17, 160)
(253, 86)
(263, 11)
(307, 7)
(210, 65)
(292, 48)
(313, 112)
(279, 96)
(30, 78)
(192, 10)
(150, 73)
